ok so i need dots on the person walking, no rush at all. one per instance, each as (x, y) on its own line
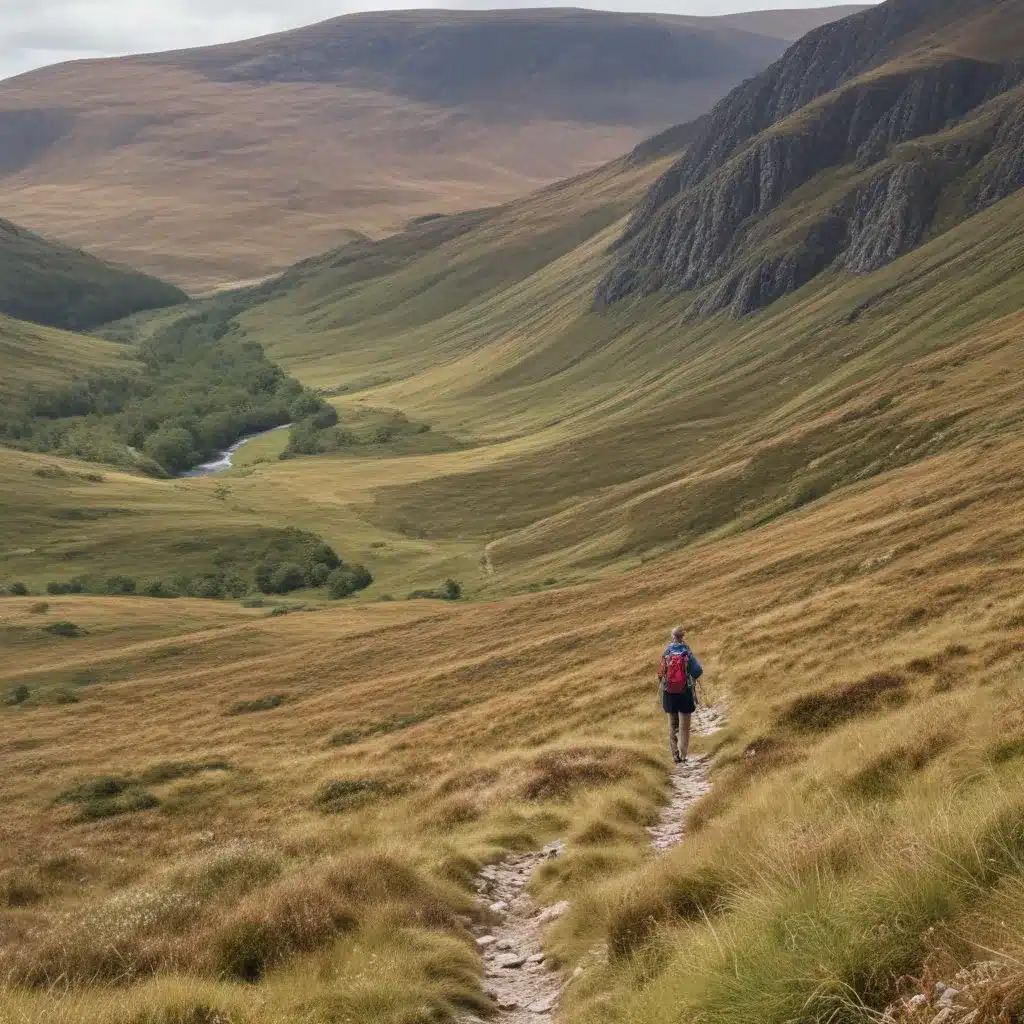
(678, 675)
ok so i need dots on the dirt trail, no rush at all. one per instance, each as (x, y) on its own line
(516, 977)
(690, 782)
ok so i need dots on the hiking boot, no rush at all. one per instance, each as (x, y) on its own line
(678, 759)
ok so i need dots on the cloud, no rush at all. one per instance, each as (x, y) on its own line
(34, 33)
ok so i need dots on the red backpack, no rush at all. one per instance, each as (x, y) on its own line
(675, 670)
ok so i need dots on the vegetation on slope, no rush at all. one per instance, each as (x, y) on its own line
(42, 358)
(47, 283)
(875, 843)
(826, 494)
(201, 387)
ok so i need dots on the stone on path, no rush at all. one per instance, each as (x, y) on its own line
(486, 940)
(552, 913)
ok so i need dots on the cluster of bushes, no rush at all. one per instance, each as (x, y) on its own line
(202, 387)
(269, 561)
(450, 591)
(14, 590)
(295, 560)
(320, 432)
(217, 585)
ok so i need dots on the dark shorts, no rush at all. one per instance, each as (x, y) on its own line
(678, 703)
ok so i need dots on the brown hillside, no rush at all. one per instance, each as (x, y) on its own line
(230, 162)
(791, 24)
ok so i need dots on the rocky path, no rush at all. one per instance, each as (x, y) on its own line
(516, 977)
(690, 782)
(524, 990)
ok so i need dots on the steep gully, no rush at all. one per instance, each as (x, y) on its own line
(524, 988)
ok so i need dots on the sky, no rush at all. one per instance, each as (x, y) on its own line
(34, 33)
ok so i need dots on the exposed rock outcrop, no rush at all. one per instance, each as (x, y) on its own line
(809, 165)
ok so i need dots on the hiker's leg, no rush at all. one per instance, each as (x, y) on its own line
(673, 732)
(684, 739)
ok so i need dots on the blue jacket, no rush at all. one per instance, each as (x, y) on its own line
(696, 670)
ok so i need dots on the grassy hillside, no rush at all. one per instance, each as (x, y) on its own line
(275, 815)
(864, 824)
(485, 330)
(41, 357)
(395, 115)
(49, 283)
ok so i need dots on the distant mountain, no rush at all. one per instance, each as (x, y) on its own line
(230, 162)
(791, 24)
(47, 283)
(869, 137)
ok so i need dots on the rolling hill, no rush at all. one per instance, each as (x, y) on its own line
(48, 283)
(792, 24)
(228, 163)
(268, 813)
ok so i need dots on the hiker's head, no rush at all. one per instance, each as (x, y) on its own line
(677, 634)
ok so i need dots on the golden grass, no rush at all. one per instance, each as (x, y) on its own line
(34, 356)
(529, 718)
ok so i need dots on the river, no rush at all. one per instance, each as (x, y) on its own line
(223, 459)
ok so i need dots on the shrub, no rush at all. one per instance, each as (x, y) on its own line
(158, 588)
(118, 584)
(18, 695)
(64, 628)
(264, 575)
(325, 417)
(39, 608)
(307, 404)
(452, 590)
(342, 794)
(235, 586)
(288, 577)
(55, 588)
(172, 448)
(319, 575)
(107, 796)
(17, 590)
(347, 580)
(207, 586)
(248, 707)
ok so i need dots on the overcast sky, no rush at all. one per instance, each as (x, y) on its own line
(34, 33)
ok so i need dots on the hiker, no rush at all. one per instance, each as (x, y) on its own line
(678, 675)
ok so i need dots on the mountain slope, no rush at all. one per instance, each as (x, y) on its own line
(282, 818)
(870, 136)
(48, 283)
(227, 163)
(594, 438)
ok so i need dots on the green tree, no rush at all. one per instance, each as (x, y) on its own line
(171, 447)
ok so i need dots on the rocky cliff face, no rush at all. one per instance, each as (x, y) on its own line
(835, 155)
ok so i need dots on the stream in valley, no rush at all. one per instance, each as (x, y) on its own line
(223, 459)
